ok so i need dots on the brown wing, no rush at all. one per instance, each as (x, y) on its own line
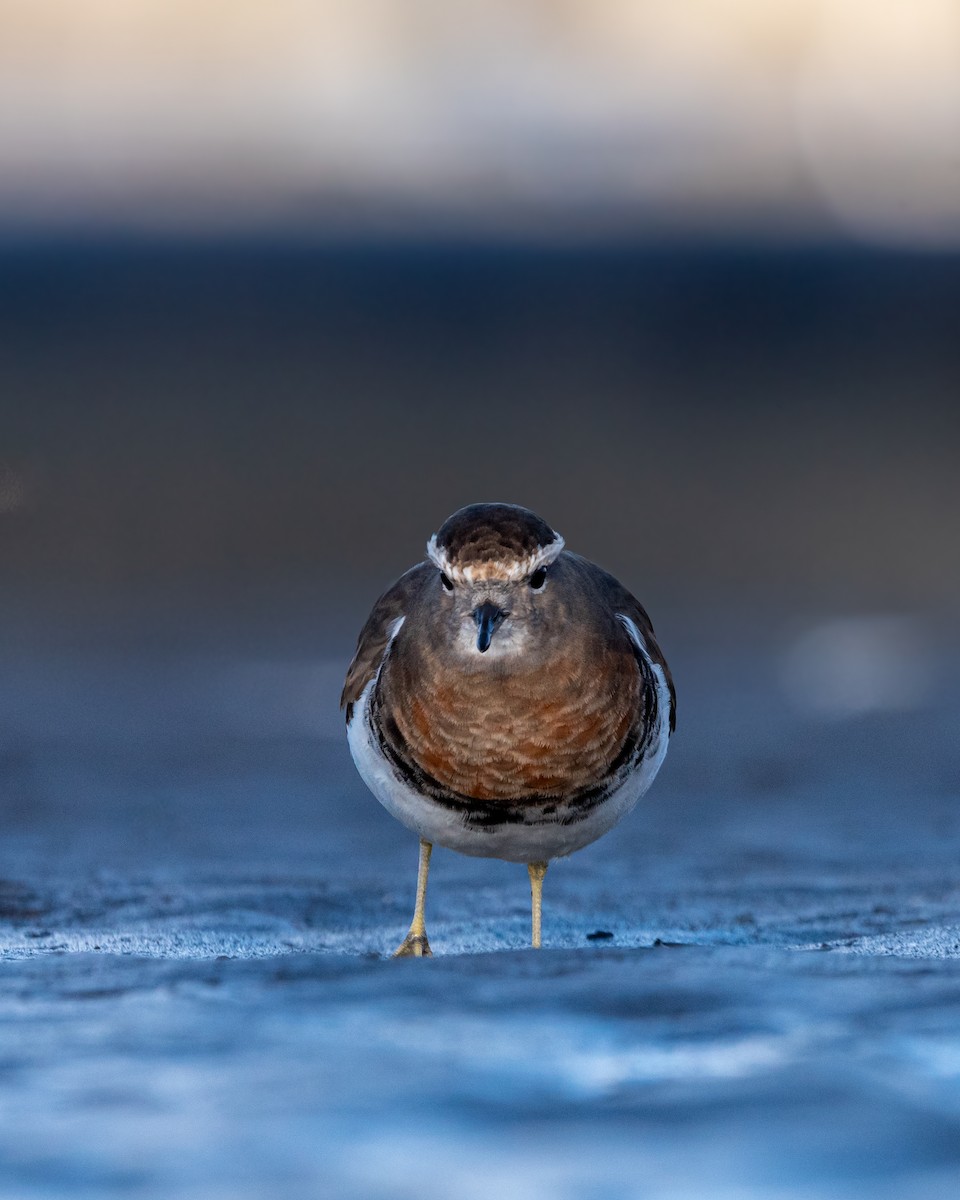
(375, 635)
(625, 602)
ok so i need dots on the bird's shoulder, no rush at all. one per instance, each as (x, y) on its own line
(620, 602)
(375, 636)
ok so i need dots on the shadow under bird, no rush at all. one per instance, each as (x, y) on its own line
(508, 699)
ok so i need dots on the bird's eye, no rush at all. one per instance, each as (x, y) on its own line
(448, 586)
(538, 579)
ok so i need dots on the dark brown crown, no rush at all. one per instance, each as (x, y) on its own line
(487, 533)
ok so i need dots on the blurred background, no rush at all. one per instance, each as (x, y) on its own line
(281, 286)
(284, 284)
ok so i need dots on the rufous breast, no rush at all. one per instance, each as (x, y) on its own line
(549, 730)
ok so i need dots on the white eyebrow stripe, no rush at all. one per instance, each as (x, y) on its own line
(510, 571)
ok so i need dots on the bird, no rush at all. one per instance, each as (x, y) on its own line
(508, 699)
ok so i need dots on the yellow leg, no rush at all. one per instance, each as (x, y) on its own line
(415, 944)
(536, 871)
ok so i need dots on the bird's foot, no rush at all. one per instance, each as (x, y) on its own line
(414, 945)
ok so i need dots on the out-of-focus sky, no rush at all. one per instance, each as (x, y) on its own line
(793, 116)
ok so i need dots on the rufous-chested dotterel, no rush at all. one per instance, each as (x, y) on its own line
(508, 698)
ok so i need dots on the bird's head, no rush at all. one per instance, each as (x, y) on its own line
(493, 576)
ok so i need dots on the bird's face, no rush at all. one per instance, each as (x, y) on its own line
(497, 616)
(496, 575)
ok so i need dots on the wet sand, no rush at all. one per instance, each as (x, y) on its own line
(198, 898)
